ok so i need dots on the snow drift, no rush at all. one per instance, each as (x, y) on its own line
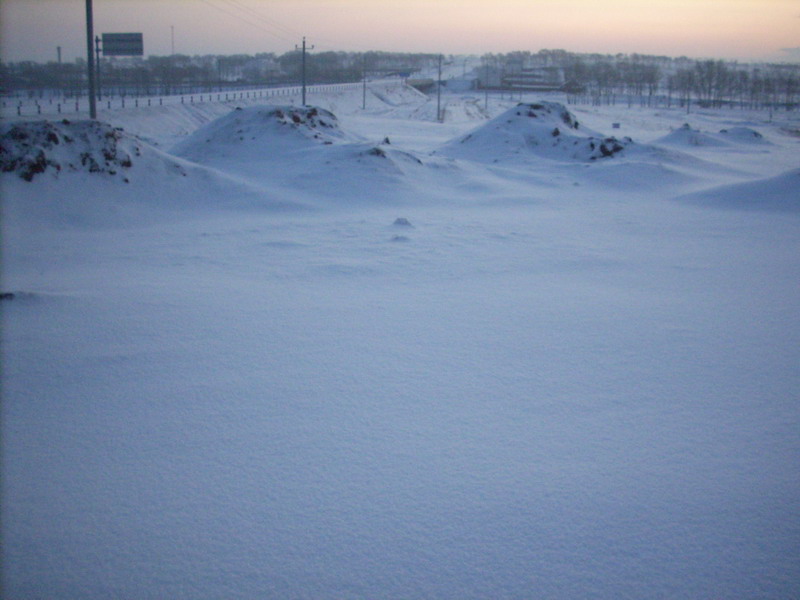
(685, 136)
(733, 139)
(778, 193)
(743, 135)
(543, 129)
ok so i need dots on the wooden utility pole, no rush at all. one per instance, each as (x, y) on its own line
(364, 77)
(486, 89)
(439, 92)
(97, 54)
(304, 47)
(90, 60)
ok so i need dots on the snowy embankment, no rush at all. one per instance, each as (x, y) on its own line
(476, 364)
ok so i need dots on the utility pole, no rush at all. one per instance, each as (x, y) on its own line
(304, 66)
(486, 90)
(364, 78)
(439, 93)
(97, 53)
(90, 60)
(172, 36)
(58, 50)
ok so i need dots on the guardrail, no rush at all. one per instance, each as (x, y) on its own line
(55, 107)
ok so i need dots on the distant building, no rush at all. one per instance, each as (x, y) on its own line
(535, 79)
(515, 77)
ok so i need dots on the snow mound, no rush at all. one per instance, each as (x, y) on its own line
(392, 155)
(304, 152)
(30, 148)
(90, 173)
(686, 136)
(779, 193)
(543, 129)
(257, 130)
(743, 135)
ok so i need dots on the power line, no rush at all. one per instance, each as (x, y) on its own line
(246, 14)
(244, 20)
(253, 13)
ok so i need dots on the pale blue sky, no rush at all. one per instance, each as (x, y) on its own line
(742, 29)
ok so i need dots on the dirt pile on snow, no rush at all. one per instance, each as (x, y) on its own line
(31, 148)
(90, 173)
(543, 129)
(257, 130)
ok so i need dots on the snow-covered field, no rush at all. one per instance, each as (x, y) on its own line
(342, 353)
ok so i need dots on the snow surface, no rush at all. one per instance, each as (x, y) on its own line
(275, 367)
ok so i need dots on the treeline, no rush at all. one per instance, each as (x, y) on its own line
(181, 73)
(608, 79)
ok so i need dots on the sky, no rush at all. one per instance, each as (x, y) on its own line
(732, 29)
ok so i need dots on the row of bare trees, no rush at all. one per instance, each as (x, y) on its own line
(649, 80)
(715, 84)
(192, 74)
(706, 83)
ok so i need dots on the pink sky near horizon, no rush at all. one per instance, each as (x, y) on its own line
(740, 29)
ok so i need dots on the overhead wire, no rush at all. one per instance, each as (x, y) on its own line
(253, 13)
(258, 20)
(320, 42)
(244, 20)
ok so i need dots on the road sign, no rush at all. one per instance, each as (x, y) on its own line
(123, 44)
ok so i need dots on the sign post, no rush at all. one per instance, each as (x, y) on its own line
(90, 60)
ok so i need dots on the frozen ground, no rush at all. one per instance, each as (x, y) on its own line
(297, 360)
